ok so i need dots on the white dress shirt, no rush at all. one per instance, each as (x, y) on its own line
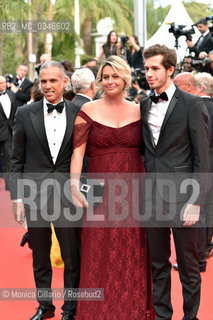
(55, 126)
(6, 104)
(157, 113)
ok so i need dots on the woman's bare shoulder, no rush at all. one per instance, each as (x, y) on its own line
(90, 107)
(134, 108)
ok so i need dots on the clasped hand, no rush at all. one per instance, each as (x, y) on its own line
(78, 197)
(191, 214)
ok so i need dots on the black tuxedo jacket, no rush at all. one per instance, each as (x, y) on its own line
(182, 149)
(80, 100)
(208, 102)
(23, 93)
(6, 125)
(31, 158)
(206, 45)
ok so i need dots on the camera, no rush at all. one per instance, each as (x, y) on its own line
(138, 75)
(204, 62)
(181, 30)
(124, 40)
(9, 78)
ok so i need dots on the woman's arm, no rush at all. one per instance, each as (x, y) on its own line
(75, 173)
(133, 43)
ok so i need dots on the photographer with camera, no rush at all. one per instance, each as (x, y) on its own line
(206, 63)
(204, 43)
(134, 53)
(20, 85)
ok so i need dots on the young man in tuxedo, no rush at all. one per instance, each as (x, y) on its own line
(175, 131)
(7, 114)
(21, 86)
(41, 152)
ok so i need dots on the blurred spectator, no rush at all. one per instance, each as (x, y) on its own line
(187, 64)
(139, 97)
(35, 93)
(68, 92)
(45, 57)
(68, 66)
(91, 63)
(21, 86)
(209, 66)
(111, 47)
(186, 82)
(94, 69)
(83, 85)
(134, 53)
(7, 114)
(204, 43)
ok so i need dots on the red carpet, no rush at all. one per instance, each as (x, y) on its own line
(16, 272)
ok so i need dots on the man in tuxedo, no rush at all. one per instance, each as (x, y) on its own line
(205, 91)
(21, 86)
(7, 114)
(41, 152)
(175, 131)
(204, 42)
(83, 85)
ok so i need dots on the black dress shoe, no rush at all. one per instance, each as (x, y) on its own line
(26, 239)
(67, 316)
(44, 313)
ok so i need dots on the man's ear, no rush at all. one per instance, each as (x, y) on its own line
(93, 86)
(66, 80)
(171, 70)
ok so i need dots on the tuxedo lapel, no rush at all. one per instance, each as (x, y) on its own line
(37, 118)
(144, 115)
(2, 111)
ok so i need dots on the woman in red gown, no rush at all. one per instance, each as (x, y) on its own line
(112, 258)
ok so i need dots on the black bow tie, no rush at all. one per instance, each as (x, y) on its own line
(2, 93)
(58, 107)
(162, 96)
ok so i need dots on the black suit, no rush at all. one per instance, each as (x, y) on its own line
(180, 153)
(206, 45)
(31, 159)
(208, 207)
(6, 128)
(80, 100)
(23, 93)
